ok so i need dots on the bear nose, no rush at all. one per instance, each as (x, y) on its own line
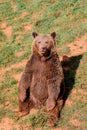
(43, 48)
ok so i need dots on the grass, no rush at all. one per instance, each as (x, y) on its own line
(69, 20)
(37, 120)
(75, 80)
(64, 50)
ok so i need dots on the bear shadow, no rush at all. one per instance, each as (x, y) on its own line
(70, 66)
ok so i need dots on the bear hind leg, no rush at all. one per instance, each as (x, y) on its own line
(54, 113)
(24, 105)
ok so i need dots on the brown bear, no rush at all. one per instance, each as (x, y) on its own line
(42, 82)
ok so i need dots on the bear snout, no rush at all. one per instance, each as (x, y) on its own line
(45, 52)
(43, 49)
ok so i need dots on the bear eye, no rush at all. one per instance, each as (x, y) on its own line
(39, 42)
(46, 42)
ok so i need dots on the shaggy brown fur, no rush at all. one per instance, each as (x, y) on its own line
(41, 83)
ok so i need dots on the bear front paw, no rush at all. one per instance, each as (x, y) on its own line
(22, 97)
(50, 104)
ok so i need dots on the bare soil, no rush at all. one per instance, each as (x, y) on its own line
(24, 14)
(27, 26)
(7, 124)
(7, 31)
(3, 24)
(78, 46)
(75, 123)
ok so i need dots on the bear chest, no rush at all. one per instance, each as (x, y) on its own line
(39, 83)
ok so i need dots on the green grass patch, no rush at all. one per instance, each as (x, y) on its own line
(64, 50)
(67, 18)
(37, 120)
(8, 81)
(2, 37)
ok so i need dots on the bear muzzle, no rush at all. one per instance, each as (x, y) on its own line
(45, 52)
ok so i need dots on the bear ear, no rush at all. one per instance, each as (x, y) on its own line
(53, 35)
(34, 34)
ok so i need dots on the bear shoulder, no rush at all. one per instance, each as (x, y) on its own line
(30, 63)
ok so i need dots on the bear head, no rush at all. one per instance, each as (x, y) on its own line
(44, 44)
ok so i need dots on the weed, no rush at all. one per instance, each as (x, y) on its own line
(13, 129)
(20, 69)
(2, 37)
(37, 120)
(81, 47)
(64, 50)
